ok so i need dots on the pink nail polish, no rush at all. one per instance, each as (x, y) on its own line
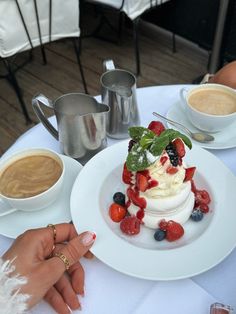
(218, 308)
(88, 238)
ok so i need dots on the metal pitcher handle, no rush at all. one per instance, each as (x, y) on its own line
(41, 99)
(108, 65)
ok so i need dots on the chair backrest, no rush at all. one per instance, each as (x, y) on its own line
(132, 8)
(13, 34)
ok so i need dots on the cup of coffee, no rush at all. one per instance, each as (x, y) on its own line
(210, 107)
(30, 180)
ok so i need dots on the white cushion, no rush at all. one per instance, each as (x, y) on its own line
(13, 38)
(132, 8)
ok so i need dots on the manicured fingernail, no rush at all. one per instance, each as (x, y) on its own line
(88, 238)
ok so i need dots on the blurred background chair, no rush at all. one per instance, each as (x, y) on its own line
(133, 9)
(26, 24)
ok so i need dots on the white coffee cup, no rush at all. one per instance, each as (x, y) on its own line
(203, 120)
(9, 204)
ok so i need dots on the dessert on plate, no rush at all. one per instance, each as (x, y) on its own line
(160, 191)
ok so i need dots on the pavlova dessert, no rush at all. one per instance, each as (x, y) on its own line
(160, 191)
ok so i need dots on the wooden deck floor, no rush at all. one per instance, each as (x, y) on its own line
(159, 66)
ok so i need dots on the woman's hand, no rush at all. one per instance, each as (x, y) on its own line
(46, 276)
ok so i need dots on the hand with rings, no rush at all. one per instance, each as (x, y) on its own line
(49, 259)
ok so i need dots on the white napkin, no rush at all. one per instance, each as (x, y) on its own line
(110, 292)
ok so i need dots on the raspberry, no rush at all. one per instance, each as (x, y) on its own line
(163, 224)
(173, 156)
(204, 208)
(157, 127)
(130, 225)
(202, 197)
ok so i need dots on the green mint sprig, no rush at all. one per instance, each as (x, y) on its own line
(149, 146)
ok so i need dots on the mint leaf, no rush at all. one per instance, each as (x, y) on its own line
(137, 159)
(137, 132)
(159, 144)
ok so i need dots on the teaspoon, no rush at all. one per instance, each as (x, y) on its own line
(199, 137)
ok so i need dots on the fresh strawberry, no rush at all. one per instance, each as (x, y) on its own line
(126, 175)
(179, 146)
(141, 182)
(189, 172)
(174, 231)
(117, 212)
(130, 225)
(134, 197)
(172, 170)
(157, 127)
(202, 197)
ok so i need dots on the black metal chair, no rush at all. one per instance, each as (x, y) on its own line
(26, 24)
(133, 9)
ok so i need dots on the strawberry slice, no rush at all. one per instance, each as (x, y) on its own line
(130, 225)
(163, 160)
(189, 172)
(141, 182)
(152, 184)
(174, 231)
(135, 199)
(172, 170)
(157, 127)
(179, 146)
(126, 175)
(117, 212)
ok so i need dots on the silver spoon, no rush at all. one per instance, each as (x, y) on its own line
(199, 137)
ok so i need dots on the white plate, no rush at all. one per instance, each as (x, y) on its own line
(223, 140)
(16, 223)
(204, 244)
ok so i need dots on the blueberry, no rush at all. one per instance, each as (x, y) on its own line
(119, 198)
(159, 235)
(196, 215)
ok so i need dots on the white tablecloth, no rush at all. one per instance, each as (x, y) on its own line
(110, 292)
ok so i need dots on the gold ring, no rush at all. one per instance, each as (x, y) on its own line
(54, 231)
(63, 258)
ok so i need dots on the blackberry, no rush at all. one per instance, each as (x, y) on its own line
(119, 198)
(131, 144)
(172, 153)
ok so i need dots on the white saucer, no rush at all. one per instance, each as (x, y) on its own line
(16, 223)
(223, 140)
